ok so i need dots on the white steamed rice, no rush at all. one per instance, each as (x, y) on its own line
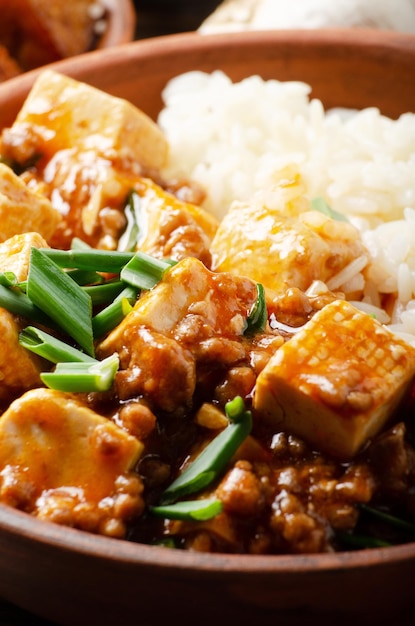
(233, 137)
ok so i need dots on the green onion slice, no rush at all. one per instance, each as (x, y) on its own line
(55, 293)
(107, 319)
(392, 520)
(258, 315)
(144, 271)
(319, 204)
(213, 459)
(50, 347)
(129, 238)
(83, 377)
(105, 293)
(362, 542)
(86, 277)
(194, 510)
(16, 302)
(89, 259)
(8, 279)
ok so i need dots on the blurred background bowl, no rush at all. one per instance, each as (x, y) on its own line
(70, 577)
(121, 23)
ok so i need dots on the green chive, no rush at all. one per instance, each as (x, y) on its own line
(105, 293)
(195, 510)
(213, 459)
(392, 520)
(86, 277)
(128, 240)
(89, 259)
(8, 279)
(50, 347)
(144, 271)
(80, 244)
(55, 293)
(16, 302)
(357, 541)
(319, 204)
(82, 377)
(258, 315)
(107, 319)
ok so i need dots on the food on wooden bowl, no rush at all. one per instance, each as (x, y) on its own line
(37, 32)
(217, 342)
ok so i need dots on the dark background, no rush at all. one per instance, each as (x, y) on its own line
(164, 17)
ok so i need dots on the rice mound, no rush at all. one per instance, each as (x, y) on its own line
(233, 139)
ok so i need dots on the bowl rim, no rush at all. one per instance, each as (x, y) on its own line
(21, 525)
(381, 42)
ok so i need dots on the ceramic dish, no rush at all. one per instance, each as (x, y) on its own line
(71, 577)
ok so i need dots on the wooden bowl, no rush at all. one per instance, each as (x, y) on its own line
(74, 578)
(121, 23)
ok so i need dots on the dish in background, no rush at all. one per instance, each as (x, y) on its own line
(37, 32)
(81, 577)
(231, 15)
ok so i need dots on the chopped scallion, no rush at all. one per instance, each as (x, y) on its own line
(86, 277)
(50, 347)
(8, 279)
(129, 238)
(107, 319)
(392, 520)
(55, 293)
(144, 271)
(195, 510)
(319, 204)
(89, 259)
(16, 302)
(105, 293)
(212, 460)
(82, 377)
(258, 315)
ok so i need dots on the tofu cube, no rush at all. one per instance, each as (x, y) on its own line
(222, 301)
(337, 381)
(63, 443)
(15, 253)
(279, 242)
(22, 210)
(64, 113)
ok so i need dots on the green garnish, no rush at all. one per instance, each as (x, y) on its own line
(196, 510)
(392, 520)
(65, 302)
(319, 204)
(361, 542)
(89, 259)
(86, 277)
(8, 279)
(105, 293)
(82, 377)
(144, 271)
(258, 315)
(16, 302)
(111, 316)
(50, 347)
(212, 460)
(129, 238)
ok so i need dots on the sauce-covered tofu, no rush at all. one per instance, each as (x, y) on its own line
(191, 316)
(61, 113)
(19, 369)
(22, 210)
(281, 243)
(60, 444)
(15, 253)
(337, 381)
